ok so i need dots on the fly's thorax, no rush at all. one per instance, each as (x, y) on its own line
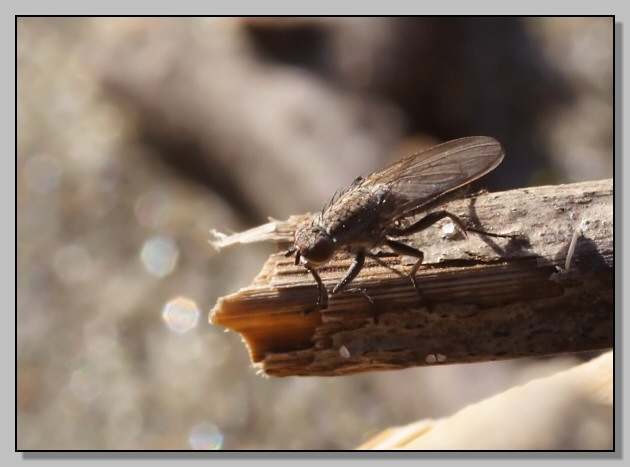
(314, 244)
(355, 217)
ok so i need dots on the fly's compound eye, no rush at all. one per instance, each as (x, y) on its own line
(314, 244)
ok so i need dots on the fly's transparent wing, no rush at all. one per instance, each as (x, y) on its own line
(417, 180)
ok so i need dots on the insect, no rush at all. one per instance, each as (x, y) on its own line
(375, 210)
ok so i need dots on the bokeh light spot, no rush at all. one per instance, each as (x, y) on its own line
(206, 437)
(159, 256)
(181, 314)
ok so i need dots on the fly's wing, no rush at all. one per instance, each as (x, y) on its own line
(417, 180)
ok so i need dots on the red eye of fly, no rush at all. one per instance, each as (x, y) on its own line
(314, 244)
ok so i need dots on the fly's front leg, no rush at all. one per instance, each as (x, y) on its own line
(351, 273)
(322, 297)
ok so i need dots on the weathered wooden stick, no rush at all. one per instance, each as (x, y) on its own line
(481, 298)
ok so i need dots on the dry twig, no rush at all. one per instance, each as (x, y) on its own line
(482, 298)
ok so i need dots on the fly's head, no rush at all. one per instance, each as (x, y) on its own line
(313, 245)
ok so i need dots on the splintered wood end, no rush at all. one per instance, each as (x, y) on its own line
(265, 330)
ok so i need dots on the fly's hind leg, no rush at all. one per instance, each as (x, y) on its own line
(430, 219)
(427, 221)
(422, 224)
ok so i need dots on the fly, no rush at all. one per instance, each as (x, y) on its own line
(373, 210)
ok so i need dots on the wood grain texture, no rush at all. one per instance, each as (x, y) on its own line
(482, 298)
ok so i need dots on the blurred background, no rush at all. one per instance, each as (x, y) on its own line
(138, 136)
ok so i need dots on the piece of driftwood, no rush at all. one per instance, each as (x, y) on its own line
(481, 298)
(579, 401)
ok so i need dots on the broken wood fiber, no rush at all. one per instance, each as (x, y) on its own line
(483, 298)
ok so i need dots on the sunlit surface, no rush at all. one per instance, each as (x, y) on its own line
(206, 437)
(159, 256)
(181, 314)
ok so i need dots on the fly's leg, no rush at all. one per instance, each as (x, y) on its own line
(371, 300)
(403, 249)
(352, 271)
(430, 219)
(427, 221)
(424, 223)
(322, 297)
(367, 297)
(490, 234)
